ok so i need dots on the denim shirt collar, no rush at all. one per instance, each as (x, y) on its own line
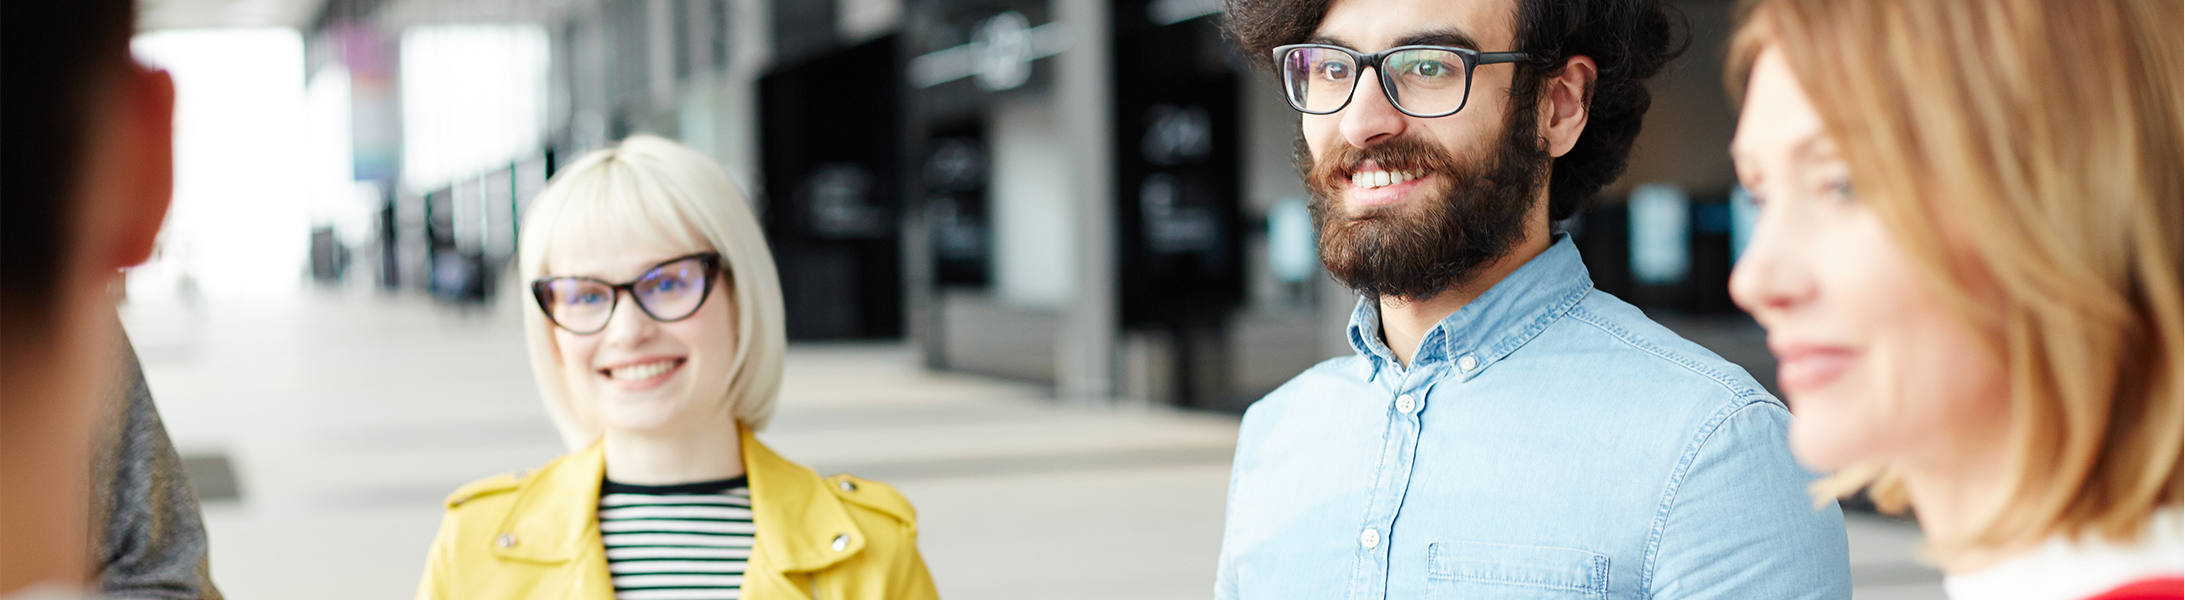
(1492, 325)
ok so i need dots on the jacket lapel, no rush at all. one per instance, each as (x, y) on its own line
(552, 519)
(802, 526)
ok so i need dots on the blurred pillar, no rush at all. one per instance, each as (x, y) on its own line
(1085, 357)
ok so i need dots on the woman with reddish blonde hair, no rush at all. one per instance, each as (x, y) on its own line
(1968, 263)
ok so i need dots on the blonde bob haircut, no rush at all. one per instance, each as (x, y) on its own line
(652, 188)
(2027, 154)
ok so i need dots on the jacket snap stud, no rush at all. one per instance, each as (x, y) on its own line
(847, 486)
(841, 541)
(507, 540)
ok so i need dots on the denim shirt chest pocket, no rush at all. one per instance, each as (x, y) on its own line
(1509, 572)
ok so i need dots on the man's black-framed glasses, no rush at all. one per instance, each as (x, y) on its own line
(667, 292)
(1421, 81)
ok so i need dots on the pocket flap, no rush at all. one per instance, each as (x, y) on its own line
(1541, 566)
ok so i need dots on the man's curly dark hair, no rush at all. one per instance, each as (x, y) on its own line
(1628, 40)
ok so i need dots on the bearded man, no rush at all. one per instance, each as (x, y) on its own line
(1505, 430)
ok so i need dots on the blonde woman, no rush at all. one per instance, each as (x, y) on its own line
(1967, 262)
(656, 337)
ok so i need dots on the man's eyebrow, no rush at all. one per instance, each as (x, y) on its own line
(1444, 37)
(1329, 40)
(1440, 37)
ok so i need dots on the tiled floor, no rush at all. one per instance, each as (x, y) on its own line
(346, 419)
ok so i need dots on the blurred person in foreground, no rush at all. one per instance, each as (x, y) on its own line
(657, 339)
(1967, 261)
(1505, 430)
(91, 491)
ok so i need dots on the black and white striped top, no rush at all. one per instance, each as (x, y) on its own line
(677, 542)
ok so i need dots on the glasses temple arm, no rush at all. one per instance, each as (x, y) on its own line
(1488, 58)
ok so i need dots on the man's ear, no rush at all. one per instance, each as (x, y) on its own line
(144, 155)
(1565, 104)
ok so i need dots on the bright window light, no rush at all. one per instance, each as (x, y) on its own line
(473, 100)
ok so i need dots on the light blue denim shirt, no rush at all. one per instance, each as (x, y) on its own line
(1549, 441)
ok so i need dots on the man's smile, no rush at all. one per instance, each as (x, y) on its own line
(1373, 184)
(1381, 179)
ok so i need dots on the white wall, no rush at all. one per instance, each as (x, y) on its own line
(1269, 139)
(1031, 207)
(473, 100)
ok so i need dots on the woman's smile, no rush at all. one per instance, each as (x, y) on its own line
(1804, 368)
(642, 374)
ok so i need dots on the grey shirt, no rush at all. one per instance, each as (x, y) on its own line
(148, 539)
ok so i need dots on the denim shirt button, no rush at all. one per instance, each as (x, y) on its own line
(1467, 363)
(1370, 539)
(1405, 404)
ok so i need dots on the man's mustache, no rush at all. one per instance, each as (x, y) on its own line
(1400, 154)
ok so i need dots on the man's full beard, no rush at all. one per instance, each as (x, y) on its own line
(1420, 248)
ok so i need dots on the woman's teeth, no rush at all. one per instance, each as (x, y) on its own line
(1378, 179)
(640, 371)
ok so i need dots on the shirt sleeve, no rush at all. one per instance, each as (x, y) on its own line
(1225, 571)
(912, 580)
(1738, 522)
(151, 537)
(437, 561)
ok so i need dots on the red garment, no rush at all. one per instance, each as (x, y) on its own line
(2160, 588)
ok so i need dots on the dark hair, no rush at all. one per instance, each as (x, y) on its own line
(1628, 40)
(57, 57)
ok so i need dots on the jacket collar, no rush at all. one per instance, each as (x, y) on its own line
(555, 516)
(798, 517)
(1493, 325)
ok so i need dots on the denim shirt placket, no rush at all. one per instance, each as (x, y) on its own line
(1399, 453)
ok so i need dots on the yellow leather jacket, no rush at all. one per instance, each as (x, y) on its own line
(536, 535)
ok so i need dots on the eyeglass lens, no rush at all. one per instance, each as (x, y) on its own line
(668, 292)
(1427, 81)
